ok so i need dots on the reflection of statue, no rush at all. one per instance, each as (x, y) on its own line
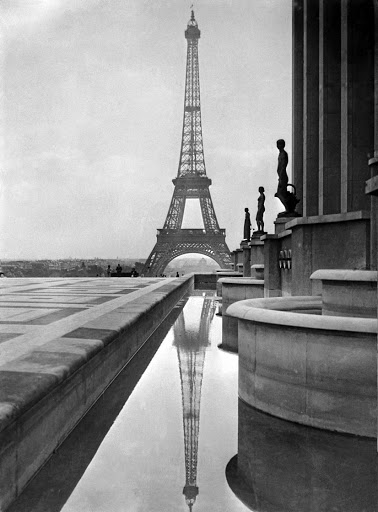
(247, 225)
(288, 199)
(260, 210)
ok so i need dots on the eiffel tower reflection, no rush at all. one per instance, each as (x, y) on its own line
(191, 339)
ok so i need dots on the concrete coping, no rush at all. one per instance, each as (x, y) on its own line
(345, 275)
(258, 266)
(371, 186)
(285, 233)
(269, 236)
(326, 219)
(231, 273)
(291, 312)
(242, 280)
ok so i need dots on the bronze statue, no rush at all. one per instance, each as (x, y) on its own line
(247, 225)
(288, 199)
(260, 211)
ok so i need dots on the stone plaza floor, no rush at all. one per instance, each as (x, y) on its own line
(34, 311)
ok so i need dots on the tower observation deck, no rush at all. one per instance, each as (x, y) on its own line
(191, 182)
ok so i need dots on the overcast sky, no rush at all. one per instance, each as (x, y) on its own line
(92, 118)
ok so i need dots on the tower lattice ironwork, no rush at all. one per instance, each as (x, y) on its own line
(191, 182)
(191, 342)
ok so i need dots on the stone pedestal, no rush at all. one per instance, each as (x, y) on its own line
(234, 290)
(247, 261)
(257, 271)
(279, 224)
(258, 234)
(272, 280)
(257, 252)
(237, 258)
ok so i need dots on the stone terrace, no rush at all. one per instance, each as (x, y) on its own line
(33, 312)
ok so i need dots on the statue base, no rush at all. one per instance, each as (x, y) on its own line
(244, 243)
(258, 234)
(288, 214)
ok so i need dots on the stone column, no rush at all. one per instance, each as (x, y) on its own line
(375, 205)
(272, 275)
(357, 100)
(373, 161)
(297, 98)
(311, 107)
(372, 189)
(234, 260)
(246, 261)
(329, 107)
(373, 164)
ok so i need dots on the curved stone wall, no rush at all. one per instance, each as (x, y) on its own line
(308, 368)
(281, 466)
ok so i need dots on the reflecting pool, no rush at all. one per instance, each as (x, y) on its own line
(160, 437)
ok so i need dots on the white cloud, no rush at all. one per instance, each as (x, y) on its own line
(29, 14)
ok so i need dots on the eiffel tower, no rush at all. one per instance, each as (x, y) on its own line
(191, 182)
(191, 343)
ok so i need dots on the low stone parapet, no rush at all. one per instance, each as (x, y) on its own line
(228, 273)
(305, 367)
(205, 281)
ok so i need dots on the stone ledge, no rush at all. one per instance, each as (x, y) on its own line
(285, 311)
(326, 219)
(345, 275)
(371, 186)
(241, 280)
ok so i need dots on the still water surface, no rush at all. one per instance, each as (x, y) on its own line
(160, 444)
